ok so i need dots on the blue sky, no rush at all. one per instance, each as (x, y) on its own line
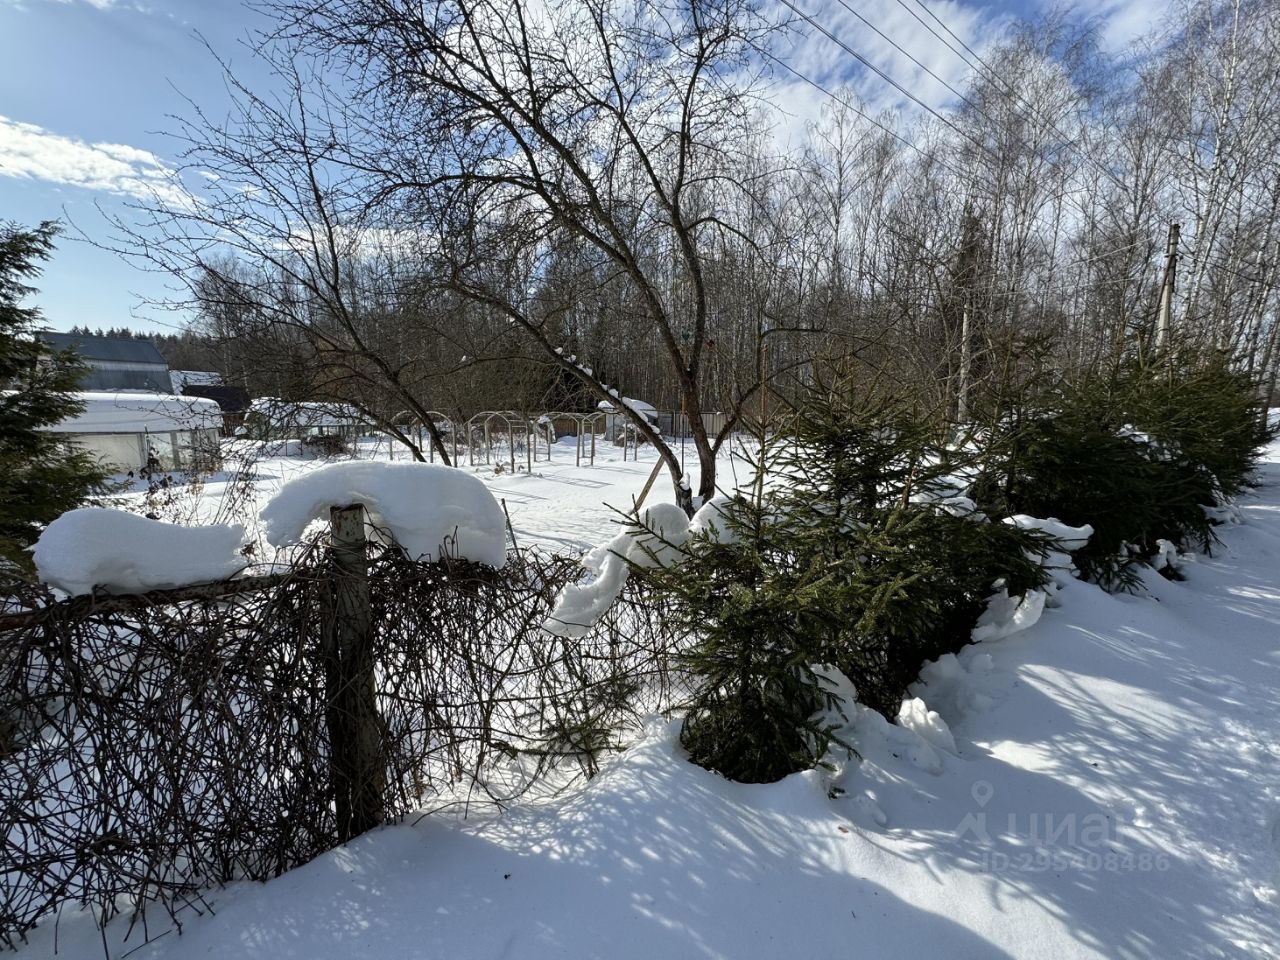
(85, 89)
(88, 86)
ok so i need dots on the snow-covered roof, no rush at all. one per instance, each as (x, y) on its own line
(303, 413)
(639, 406)
(138, 412)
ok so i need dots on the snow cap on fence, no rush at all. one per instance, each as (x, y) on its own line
(712, 520)
(123, 552)
(658, 539)
(428, 508)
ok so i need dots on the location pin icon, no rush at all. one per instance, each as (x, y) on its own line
(983, 792)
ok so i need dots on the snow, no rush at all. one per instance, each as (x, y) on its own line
(123, 552)
(1166, 556)
(712, 520)
(647, 410)
(266, 449)
(960, 507)
(302, 415)
(949, 502)
(1058, 562)
(1069, 538)
(640, 408)
(958, 685)
(657, 539)
(428, 508)
(1224, 513)
(138, 412)
(1006, 615)
(1113, 792)
(927, 724)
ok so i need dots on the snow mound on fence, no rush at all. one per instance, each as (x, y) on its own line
(658, 539)
(713, 521)
(429, 509)
(126, 553)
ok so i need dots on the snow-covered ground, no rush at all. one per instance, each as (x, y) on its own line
(1114, 791)
(559, 506)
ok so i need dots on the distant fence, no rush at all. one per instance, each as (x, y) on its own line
(680, 425)
(153, 746)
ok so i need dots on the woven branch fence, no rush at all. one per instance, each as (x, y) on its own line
(157, 745)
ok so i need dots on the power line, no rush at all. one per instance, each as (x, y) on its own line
(920, 4)
(992, 75)
(915, 99)
(886, 77)
(844, 102)
(884, 36)
(1058, 164)
(1094, 257)
(931, 157)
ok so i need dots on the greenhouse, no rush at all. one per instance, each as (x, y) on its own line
(127, 430)
(271, 419)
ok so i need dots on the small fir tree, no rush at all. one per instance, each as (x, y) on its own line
(40, 475)
(833, 560)
(761, 618)
(871, 499)
(1137, 454)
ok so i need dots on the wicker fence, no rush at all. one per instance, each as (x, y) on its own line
(153, 746)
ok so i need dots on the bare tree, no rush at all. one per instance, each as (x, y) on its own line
(278, 247)
(549, 157)
(460, 204)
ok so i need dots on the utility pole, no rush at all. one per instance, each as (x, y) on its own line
(1166, 289)
(962, 394)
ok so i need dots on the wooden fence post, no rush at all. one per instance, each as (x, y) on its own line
(356, 765)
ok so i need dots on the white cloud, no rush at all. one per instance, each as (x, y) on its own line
(824, 61)
(31, 152)
(99, 4)
(1122, 22)
(95, 4)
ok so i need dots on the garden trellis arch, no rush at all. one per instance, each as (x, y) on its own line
(416, 425)
(586, 424)
(511, 423)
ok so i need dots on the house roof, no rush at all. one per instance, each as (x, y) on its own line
(124, 349)
(230, 399)
(193, 378)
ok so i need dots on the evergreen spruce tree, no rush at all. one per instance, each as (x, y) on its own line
(761, 618)
(907, 574)
(1137, 453)
(40, 476)
(843, 557)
